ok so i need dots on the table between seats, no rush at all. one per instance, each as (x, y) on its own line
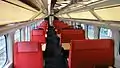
(66, 46)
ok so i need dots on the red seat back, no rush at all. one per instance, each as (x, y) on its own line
(72, 34)
(43, 25)
(91, 53)
(28, 55)
(59, 25)
(38, 35)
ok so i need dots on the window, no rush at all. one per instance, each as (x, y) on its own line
(3, 51)
(17, 36)
(32, 26)
(105, 33)
(27, 33)
(35, 25)
(90, 32)
(83, 26)
(22, 34)
(39, 22)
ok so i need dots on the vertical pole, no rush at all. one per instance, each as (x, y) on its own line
(51, 18)
(10, 43)
(116, 38)
(86, 31)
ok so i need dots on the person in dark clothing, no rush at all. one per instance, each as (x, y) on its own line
(54, 57)
(55, 18)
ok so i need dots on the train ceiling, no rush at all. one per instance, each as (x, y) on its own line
(21, 10)
(98, 10)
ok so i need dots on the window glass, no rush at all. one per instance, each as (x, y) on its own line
(29, 29)
(17, 36)
(32, 26)
(3, 52)
(35, 25)
(27, 33)
(83, 26)
(105, 33)
(39, 22)
(90, 32)
(22, 34)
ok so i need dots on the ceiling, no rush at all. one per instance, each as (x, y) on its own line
(38, 5)
(32, 9)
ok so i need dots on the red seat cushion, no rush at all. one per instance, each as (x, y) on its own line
(91, 53)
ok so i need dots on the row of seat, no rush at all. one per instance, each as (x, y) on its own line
(83, 53)
(28, 54)
(38, 35)
(68, 33)
(60, 25)
(97, 53)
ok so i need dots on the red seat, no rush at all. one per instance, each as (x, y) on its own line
(28, 55)
(38, 35)
(59, 25)
(43, 25)
(91, 53)
(72, 34)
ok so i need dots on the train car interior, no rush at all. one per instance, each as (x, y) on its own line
(59, 33)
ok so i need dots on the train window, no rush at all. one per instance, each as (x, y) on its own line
(22, 34)
(33, 26)
(39, 22)
(105, 33)
(27, 33)
(83, 26)
(90, 32)
(17, 36)
(3, 51)
(29, 29)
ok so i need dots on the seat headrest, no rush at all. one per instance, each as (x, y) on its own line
(92, 44)
(38, 32)
(28, 47)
